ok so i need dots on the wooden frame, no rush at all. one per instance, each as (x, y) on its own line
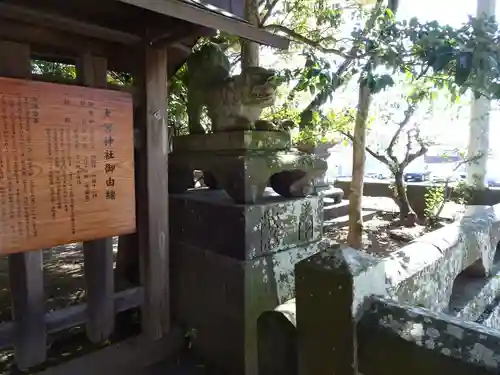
(28, 330)
(149, 51)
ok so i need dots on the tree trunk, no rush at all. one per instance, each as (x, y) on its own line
(355, 235)
(406, 213)
(479, 128)
(250, 50)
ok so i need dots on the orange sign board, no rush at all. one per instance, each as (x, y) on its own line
(66, 164)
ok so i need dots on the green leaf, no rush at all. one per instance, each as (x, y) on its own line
(377, 84)
(442, 57)
(463, 68)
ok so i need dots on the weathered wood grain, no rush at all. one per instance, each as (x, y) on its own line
(154, 248)
(25, 269)
(98, 254)
(67, 169)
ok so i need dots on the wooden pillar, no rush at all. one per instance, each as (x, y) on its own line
(98, 254)
(152, 198)
(25, 269)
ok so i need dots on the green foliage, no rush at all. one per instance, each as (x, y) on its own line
(55, 70)
(381, 49)
(326, 128)
(433, 199)
(120, 79)
(462, 193)
(460, 59)
(177, 101)
(437, 196)
(58, 71)
(377, 83)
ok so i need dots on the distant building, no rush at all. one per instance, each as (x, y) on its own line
(439, 155)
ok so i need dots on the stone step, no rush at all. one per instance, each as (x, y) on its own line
(333, 194)
(332, 210)
(341, 221)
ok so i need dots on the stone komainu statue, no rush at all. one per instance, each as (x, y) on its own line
(232, 102)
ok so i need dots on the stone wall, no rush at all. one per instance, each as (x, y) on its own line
(416, 194)
(430, 307)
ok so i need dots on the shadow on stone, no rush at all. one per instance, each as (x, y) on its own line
(277, 341)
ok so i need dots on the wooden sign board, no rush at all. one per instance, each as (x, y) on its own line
(66, 164)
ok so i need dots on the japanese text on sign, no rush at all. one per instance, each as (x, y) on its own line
(67, 158)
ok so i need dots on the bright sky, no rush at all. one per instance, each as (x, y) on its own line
(447, 11)
(453, 12)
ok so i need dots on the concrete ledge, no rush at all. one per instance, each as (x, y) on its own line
(129, 357)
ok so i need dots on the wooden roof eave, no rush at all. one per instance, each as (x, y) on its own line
(211, 19)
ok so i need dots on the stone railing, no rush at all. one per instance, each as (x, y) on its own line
(431, 307)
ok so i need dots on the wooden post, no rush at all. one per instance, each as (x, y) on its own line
(25, 269)
(153, 224)
(98, 254)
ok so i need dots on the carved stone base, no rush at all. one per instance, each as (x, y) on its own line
(243, 163)
(232, 262)
(209, 219)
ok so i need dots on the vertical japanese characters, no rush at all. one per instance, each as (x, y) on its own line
(72, 159)
(17, 188)
(66, 161)
(109, 156)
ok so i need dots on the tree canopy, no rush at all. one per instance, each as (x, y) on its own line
(335, 42)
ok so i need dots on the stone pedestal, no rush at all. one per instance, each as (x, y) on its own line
(231, 262)
(244, 163)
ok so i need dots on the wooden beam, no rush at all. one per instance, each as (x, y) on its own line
(98, 254)
(153, 228)
(212, 19)
(46, 41)
(25, 269)
(59, 320)
(14, 60)
(65, 24)
(99, 280)
(181, 47)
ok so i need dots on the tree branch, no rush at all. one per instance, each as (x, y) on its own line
(323, 94)
(446, 188)
(269, 9)
(423, 150)
(409, 157)
(305, 40)
(376, 155)
(408, 114)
